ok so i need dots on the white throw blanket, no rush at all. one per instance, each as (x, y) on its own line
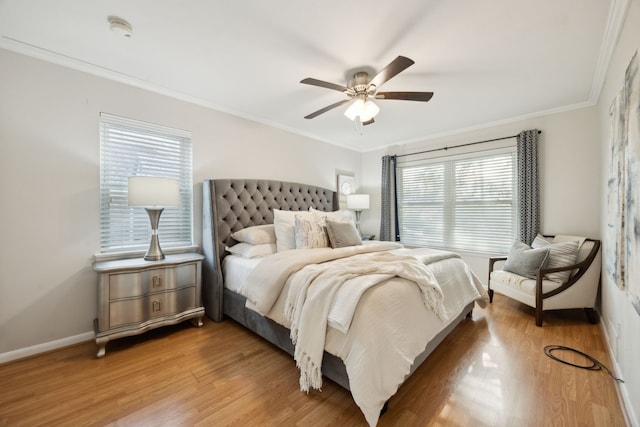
(273, 271)
(311, 296)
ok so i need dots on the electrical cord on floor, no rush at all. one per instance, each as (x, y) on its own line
(595, 364)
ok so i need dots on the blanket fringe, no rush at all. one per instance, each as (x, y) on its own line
(432, 299)
(310, 373)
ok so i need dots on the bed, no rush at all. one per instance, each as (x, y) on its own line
(369, 345)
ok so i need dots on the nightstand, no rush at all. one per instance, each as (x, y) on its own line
(135, 295)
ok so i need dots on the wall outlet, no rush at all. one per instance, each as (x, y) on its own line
(614, 337)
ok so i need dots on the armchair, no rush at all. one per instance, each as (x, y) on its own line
(578, 291)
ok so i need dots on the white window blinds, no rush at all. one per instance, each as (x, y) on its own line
(463, 203)
(129, 148)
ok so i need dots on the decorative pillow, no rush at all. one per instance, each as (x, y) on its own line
(560, 238)
(247, 250)
(284, 222)
(256, 235)
(342, 233)
(310, 233)
(560, 255)
(335, 215)
(525, 261)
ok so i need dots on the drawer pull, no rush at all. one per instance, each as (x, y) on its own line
(156, 282)
(156, 307)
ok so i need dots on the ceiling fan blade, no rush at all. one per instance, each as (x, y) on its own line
(327, 108)
(396, 66)
(368, 122)
(406, 96)
(321, 83)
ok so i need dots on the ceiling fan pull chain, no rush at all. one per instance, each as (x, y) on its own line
(358, 126)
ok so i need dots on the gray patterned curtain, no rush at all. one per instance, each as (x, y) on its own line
(388, 220)
(528, 187)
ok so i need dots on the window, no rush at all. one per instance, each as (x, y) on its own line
(465, 202)
(128, 148)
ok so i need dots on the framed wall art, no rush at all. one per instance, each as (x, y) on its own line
(346, 184)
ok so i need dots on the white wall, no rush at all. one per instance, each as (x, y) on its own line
(49, 182)
(569, 167)
(616, 308)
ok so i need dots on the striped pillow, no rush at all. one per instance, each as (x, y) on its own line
(310, 233)
(560, 255)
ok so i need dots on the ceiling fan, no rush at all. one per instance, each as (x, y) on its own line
(362, 89)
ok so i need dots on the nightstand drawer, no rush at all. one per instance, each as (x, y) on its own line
(132, 311)
(132, 284)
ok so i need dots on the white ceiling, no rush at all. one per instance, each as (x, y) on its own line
(488, 62)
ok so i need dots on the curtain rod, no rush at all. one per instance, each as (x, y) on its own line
(461, 145)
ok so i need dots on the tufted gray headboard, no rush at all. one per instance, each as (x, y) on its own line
(229, 205)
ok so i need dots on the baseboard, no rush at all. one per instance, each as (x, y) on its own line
(623, 392)
(22, 353)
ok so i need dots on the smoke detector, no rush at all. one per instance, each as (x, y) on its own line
(120, 26)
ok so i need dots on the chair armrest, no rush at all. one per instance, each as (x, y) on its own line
(493, 260)
(584, 264)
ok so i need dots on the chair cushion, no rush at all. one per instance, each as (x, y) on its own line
(523, 284)
(525, 261)
(561, 254)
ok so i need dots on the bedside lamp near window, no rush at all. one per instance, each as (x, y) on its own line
(358, 202)
(154, 193)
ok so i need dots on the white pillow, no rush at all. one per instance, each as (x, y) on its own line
(310, 233)
(247, 250)
(335, 215)
(559, 238)
(561, 254)
(256, 235)
(284, 222)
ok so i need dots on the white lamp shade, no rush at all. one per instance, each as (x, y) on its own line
(153, 191)
(358, 201)
(355, 109)
(363, 108)
(370, 111)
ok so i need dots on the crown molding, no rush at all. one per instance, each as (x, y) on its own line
(615, 22)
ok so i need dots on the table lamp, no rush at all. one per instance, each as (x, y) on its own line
(358, 202)
(154, 193)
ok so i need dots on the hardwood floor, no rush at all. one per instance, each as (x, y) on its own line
(491, 371)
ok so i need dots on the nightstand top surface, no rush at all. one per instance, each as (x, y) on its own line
(122, 264)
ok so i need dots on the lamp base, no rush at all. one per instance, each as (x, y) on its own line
(155, 252)
(358, 213)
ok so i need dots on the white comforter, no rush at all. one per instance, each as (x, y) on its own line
(386, 322)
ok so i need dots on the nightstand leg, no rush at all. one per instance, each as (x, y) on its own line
(197, 321)
(102, 346)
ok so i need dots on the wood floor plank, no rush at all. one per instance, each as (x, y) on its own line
(491, 371)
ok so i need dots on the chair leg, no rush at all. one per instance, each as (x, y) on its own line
(538, 317)
(592, 316)
(490, 292)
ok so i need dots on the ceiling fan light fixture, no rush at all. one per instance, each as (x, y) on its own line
(370, 111)
(362, 108)
(355, 109)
